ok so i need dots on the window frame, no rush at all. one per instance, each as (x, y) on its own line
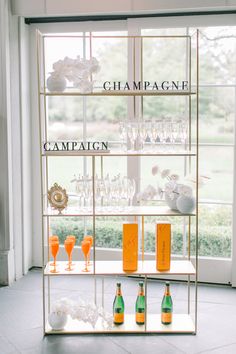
(210, 269)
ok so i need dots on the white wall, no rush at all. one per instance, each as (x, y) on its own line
(37, 8)
(7, 265)
(15, 149)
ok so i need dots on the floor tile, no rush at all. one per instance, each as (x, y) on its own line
(229, 349)
(21, 318)
(6, 347)
(149, 344)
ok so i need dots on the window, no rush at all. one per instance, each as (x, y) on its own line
(85, 118)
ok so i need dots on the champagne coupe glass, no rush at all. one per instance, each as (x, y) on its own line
(122, 132)
(69, 244)
(54, 246)
(73, 238)
(51, 239)
(85, 246)
(90, 239)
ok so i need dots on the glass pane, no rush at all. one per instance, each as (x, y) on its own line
(103, 115)
(216, 163)
(217, 55)
(58, 53)
(64, 118)
(217, 115)
(156, 51)
(215, 231)
(112, 55)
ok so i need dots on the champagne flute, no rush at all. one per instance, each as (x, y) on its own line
(131, 191)
(143, 133)
(154, 134)
(132, 135)
(54, 246)
(174, 133)
(85, 246)
(69, 244)
(122, 132)
(73, 238)
(90, 239)
(183, 132)
(51, 239)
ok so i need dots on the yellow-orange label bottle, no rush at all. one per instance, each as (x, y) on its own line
(118, 306)
(140, 306)
(166, 306)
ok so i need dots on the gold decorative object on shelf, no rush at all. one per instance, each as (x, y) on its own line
(57, 197)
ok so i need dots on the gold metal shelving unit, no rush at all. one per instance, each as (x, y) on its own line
(188, 267)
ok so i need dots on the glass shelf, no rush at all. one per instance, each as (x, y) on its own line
(119, 153)
(160, 210)
(120, 93)
(181, 323)
(182, 267)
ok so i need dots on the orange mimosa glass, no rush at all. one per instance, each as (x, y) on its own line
(85, 246)
(69, 244)
(54, 246)
(73, 238)
(50, 239)
(90, 239)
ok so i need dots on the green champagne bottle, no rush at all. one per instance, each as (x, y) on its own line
(166, 306)
(118, 306)
(140, 306)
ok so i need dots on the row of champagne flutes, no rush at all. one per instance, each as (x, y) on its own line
(164, 134)
(69, 244)
(111, 193)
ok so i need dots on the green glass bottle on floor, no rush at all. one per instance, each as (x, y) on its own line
(118, 306)
(140, 306)
(166, 306)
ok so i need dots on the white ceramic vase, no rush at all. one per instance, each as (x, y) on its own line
(185, 204)
(171, 202)
(57, 320)
(56, 82)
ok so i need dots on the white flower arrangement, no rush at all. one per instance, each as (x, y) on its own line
(171, 187)
(83, 311)
(78, 71)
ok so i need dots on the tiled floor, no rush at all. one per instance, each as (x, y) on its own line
(21, 320)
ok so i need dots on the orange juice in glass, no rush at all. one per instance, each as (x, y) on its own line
(90, 239)
(50, 239)
(54, 246)
(85, 246)
(69, 244)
